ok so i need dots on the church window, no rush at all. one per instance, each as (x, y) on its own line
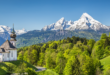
(8, 55)
(12, 54)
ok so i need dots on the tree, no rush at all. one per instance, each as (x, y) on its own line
(29, 54)
(91, 43)
(72, 66)
(109, 34)
(25, 56)
(41, 59)
(66, 53)
(85, 41)
(88, 65)
(34, 58)
(60, 63)
(50, 62)
(70, 45)
(19, 56)
(30, 71)
(103, 36)
(107, 51)
(53, 45)
(98, 52)
(107, 42)
(69, 40)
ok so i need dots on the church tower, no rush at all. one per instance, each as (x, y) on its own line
(13, 37)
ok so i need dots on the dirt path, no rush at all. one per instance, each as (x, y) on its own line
(40, 68)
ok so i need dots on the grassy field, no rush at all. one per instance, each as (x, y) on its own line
(106, 64)
(15, 64)
(47, 72)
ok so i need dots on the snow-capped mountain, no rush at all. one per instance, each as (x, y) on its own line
(59, 25)
(5, 32)
(7, 29)
(86, 22)
(19, 32)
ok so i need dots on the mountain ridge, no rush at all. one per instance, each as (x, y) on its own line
(86, 22)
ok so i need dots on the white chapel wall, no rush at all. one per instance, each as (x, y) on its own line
(14, 56)
(10, 57)
(0, 57)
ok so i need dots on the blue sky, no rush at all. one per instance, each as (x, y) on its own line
(35, 14)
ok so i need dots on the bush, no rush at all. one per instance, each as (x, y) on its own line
(30, 71)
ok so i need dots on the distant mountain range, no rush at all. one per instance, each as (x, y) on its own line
(86, 27)
(5, 32)
(86, 22)
(37, 36)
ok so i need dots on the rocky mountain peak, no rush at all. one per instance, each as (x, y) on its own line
(86, 22)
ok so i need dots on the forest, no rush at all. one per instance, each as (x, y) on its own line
(70, 56)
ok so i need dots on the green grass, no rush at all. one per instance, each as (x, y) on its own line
(4, 65)
(105, 62)
(47, 72)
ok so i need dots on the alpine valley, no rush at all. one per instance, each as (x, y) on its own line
(86, 27)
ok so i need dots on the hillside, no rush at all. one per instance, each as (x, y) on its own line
(13, 66)
(105, 62)
(35, 37)
(47, 72)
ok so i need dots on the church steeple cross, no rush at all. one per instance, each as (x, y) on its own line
(13, 31)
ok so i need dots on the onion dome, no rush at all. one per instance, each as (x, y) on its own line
(13, 35)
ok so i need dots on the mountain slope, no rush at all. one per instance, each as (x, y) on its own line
(35, 37)
(86, 22)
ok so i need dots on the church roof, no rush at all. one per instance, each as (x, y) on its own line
(7, 45)
(3, 50)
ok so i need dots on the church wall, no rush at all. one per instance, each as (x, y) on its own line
(10, 57)
(4, 55)
(14, 56)
(0, 57)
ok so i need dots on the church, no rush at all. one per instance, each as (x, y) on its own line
(8, 50)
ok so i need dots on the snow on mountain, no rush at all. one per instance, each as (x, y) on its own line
(5, 32)
(19, 32)
(86, 22)
(7, 29)
(4, 29)
(59, 25)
